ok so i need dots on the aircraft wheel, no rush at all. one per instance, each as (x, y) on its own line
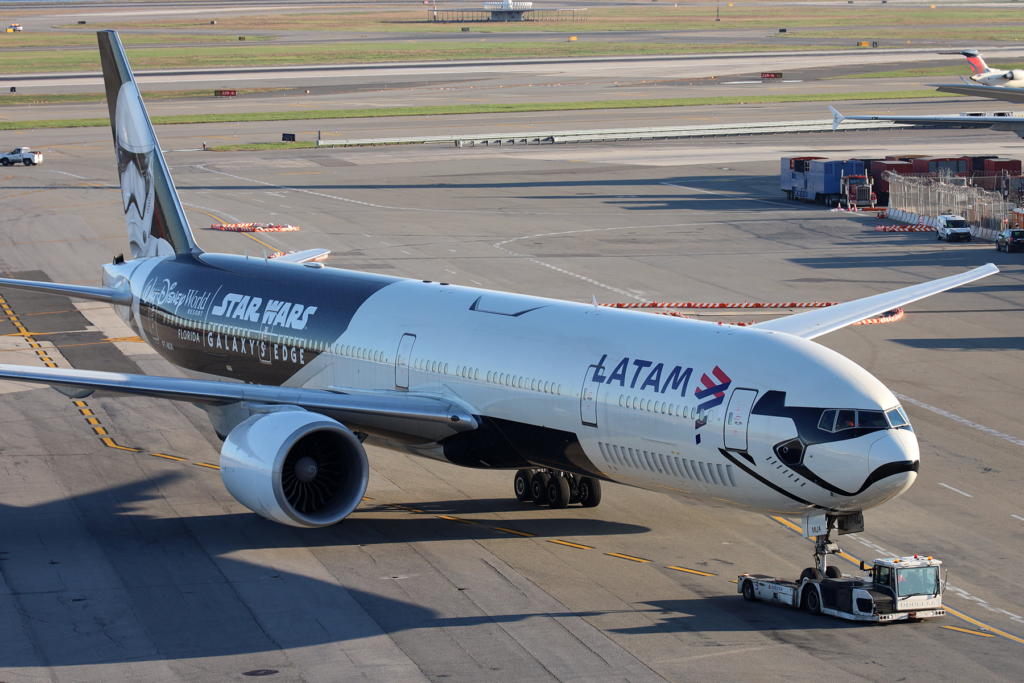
(813, 601)
(558, 492)
(590, 492)
(833, 572)
(812, 573)
(538, 488)
(521, 484)
(748, 592)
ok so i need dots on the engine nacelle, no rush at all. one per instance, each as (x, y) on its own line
(295, 467)
(1014, 75)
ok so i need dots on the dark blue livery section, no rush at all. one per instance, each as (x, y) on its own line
(243, 318)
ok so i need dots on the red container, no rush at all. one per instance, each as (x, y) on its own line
(935, 164)
(997, 166)
(878, 169)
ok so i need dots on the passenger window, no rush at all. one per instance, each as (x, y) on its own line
(871, 419)
(827, 421)
(847, 420)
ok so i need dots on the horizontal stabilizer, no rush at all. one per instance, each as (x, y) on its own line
(824, 320)
(107, 295)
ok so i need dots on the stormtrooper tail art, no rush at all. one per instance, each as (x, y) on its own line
(156, 222)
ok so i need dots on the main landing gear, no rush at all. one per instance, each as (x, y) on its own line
(557, 489)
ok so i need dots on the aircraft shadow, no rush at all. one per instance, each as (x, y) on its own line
(965, 343)
(99, 578)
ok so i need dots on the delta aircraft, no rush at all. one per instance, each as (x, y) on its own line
(298, 365)
(993, 84)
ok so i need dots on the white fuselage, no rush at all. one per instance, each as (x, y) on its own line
(632, 387)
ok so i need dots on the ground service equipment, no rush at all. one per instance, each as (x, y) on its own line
(895, 589)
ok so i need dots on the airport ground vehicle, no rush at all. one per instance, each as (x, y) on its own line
(817, 180)
(21, 155)
(1009, 240)
(15, 28)
(895, 589)
(953, 228)
(857, 191)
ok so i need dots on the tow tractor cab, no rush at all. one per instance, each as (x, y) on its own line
(895, 589)
(952, 228)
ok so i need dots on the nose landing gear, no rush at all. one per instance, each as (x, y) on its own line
(823, 547)
(557, 489)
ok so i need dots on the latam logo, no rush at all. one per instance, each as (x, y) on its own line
(712, 394)
(655, 375)
(275, 314)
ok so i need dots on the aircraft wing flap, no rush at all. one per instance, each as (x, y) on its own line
(304, 256)
(824, 320)
(348, 406)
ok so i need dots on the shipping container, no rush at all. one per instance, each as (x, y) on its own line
(998, 166)
(936, 164)
(978, 162)
(877, 171)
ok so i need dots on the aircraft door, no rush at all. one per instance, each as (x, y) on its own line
(588, 397)
(402, 360)
(736, 417)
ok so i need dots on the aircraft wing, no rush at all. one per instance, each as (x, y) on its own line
(356, 407)
(107, 295)
(992, 92)
(824, 320)
(1001, 123)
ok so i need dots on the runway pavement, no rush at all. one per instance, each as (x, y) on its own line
(124, 558)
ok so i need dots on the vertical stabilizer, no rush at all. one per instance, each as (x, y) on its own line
(156, 222)
(978, 65)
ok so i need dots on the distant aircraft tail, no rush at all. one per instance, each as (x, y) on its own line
(156, 222)
(978, 65)
(837, 118)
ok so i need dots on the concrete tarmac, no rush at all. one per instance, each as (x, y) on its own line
(124, 558)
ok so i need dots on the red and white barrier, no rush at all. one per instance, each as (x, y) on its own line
(888, 317)
(253, 227)
(745, 304)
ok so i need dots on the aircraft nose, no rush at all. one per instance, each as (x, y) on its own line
(894, 460)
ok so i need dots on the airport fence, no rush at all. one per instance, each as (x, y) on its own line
(936, 195)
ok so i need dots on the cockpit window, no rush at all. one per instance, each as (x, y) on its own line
(827, 421)
(896, 417)
(847, 420)
(871, 419)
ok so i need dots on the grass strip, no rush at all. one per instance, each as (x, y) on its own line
(660, 17)
(957, 70)
(15, 100)
(246, 55)
(322, 114)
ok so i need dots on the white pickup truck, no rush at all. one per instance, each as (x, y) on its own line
(21, 155)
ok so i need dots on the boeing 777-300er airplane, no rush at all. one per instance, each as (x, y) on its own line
(297, 365)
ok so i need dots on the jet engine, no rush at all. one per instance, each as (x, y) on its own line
(295, 467)
(1014, 75)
